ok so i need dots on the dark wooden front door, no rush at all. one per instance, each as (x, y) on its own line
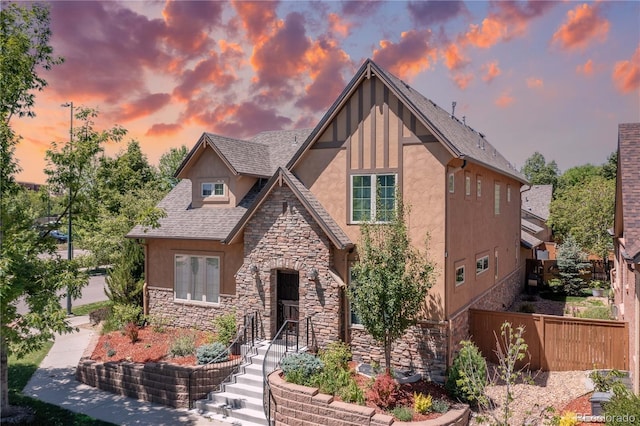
(288, 293)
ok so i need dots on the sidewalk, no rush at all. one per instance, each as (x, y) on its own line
(54, 382)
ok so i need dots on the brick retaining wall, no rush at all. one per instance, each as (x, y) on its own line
(162, 383)
(302, 405)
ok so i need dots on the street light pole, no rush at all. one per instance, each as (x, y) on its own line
(69, 238)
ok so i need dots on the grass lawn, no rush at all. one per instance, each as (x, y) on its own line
(89, 307)
(20, 371)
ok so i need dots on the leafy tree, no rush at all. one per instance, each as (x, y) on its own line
(578, 175)
(168, 165)
(610, 168)
(539, 172)
(391, 281)
(124, 282)
(571, 264)
(29, 266)
(585, 211)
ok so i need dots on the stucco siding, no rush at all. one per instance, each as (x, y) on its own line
(161, 261)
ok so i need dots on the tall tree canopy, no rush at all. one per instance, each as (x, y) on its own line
(30, 269)
(391, 281)
(539, 172)
(168, 165)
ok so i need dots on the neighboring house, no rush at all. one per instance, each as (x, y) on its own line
(625, 277)
(536, 234)
(272, 223)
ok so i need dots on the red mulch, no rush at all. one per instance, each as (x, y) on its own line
(151, 346)
(406, 395)
(582, 406)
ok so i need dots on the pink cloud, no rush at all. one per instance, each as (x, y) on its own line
(453, 57)
(188, 24)
(505, 99)
(583, 25)
(326, 63)
(359, 8)
(338, 25)
(258, 18)
(534, 83)
(207, 72)
(587, 68)
(248, 119)
(491, 71)
(162, 129)
(411, 55)
(462, 80)
(146, 105)
(626, 74)
(281, 58)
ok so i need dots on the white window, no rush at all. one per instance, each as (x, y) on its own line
(508, 193)
(479, 186)
(495, 263)
(467, 186)
(482, 264)
(354, 318)
(197, 278)
(215, 189)
(373, 196)
(452, 183)
(460, 275)
(496, 199)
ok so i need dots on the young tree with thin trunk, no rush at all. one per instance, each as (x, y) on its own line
(392, 279)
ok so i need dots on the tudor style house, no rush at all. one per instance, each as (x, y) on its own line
(272, 223)
(625, 276)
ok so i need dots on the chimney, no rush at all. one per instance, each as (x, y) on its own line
(453, 109)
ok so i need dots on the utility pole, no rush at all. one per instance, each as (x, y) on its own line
(69, 238)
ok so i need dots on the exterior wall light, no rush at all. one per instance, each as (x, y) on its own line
(312, 274)
(254, 269)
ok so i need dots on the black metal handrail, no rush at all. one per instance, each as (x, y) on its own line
(287, 340)
(246, 336)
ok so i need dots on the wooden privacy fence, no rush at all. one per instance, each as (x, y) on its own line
(556, 343)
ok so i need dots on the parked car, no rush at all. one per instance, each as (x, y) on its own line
(59, 236)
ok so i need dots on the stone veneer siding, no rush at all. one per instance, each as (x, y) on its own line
(302, 405)
(498, 298)
(282, 235)
(185, 314)
(429, 347)
(161, 383)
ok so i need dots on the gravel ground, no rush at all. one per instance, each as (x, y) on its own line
(549, 389)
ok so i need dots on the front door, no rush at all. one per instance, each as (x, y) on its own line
(288, 286)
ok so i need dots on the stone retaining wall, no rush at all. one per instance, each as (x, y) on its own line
(302, 405)
(162, 383)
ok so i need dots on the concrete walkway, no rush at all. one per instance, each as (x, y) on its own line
(54, 382)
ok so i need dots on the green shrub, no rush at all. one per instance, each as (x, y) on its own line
(158, 323)
(352, 392)
(467, 377)
(214, 352)
(183, 345)
(596, 312)
(439, 406)
(300, 368)
(131, 331)
(124, 314)
(336, 356)
(403, 414)
(384, 392)
(623, 409)
(606, 380)
(226, 328)
(125, 281)
(421, 403)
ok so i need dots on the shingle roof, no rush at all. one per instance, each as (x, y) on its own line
(629, 181)
(260, 156)
(528, 240)
(461, 140)
(536, 200)
(182, 221)
(311, 203)
(530, 226)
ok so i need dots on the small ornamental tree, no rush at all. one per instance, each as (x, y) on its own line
(571, 264)
(391, 280)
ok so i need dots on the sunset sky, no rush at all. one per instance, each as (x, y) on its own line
(553, 77)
